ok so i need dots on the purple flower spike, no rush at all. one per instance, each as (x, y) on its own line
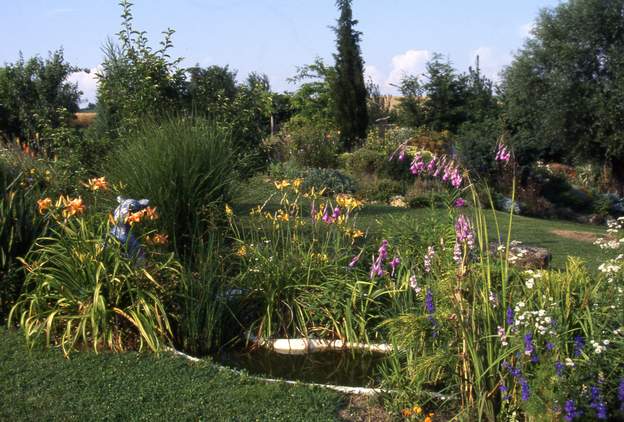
(354, 261)
(524, 386)
(383, 250)
(394, 264)
(510, 316)
(528, 344)
(459, 203)
(336, 213)
(429, 305)
(570, 411)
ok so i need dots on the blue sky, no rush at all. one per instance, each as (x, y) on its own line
(276, 36)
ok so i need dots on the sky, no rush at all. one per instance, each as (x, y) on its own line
(276, 36)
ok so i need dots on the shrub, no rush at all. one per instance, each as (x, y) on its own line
(368, 162)
(185, 166)
(309, 142)
(82, 291)
(381, 189)
(286, 170)
(37, 102)
(333, 181)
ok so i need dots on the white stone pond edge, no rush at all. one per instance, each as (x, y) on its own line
(364, 391)
(296, 346)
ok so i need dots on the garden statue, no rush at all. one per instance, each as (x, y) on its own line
(121, 229)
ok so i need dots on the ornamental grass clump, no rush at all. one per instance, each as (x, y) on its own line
(185, 165)
(81, 290)
(486, 341)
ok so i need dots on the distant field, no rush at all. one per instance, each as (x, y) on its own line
(83, 119)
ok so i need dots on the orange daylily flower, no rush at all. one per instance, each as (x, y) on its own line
(151, 213)
(159, 239)
(44, 204)
(97, 183)
(73, 207)
(135, 217)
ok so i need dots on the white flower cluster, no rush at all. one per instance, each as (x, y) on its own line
(531, 277)
(611, 267)
(414, 285)
(598, 346)
(515, 251)
(612, 242)
(540, 319)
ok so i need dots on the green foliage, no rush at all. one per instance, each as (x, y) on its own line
(446, 99)
(563, 90)
(476, 142)
(41, 385)
(19, 227)
(211, 89)
(294, 276)
(136, 81)
(380, 189)
(286, 170)
(368, 162)
(349, 89)
(314, 99)
(81, 291)
(332, 180)
(379, 110)
(202, 297)
(308, 142)
(37, 102)
(184, 166)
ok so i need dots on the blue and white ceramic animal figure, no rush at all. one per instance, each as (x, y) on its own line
(121, 229)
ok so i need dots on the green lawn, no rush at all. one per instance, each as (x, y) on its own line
(534, 231)
(42, 385)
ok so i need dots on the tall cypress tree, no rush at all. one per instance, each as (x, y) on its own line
(349, 86)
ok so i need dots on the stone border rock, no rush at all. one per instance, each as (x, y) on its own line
(297, 346)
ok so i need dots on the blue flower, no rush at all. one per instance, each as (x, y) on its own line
(579, 345)
(570, 411)
(510, 316)
(559, 367)
(524, 385)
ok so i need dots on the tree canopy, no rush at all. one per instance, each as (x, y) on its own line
(349, 90)
(564, 92)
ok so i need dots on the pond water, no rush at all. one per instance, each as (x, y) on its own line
(350, 368)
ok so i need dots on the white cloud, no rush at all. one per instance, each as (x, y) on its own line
(87, 83)
(371, 72)
(491, 62)
(527, 29)
(412, 62)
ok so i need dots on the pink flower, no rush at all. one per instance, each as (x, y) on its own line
(354, 261)
(428, 257)
(459, 203)
(394, 264)
(502, 153)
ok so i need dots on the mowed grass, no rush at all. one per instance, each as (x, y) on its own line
(43, 386)
(562, 238)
